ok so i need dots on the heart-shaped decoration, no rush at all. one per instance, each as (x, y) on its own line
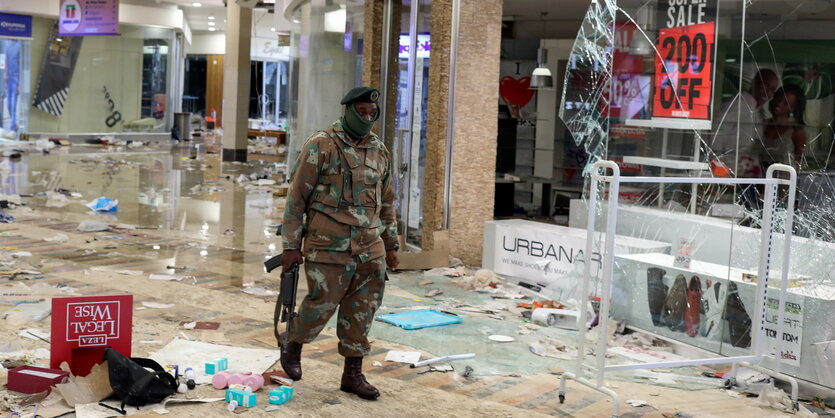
(516, 91)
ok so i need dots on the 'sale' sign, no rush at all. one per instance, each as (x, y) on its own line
(684, 65)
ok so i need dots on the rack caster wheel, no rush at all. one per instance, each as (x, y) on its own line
(562, 397)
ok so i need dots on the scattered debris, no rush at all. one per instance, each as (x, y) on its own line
(209, 325)
(104, 204)
(377, 364)
(87, 389)
(548, 347)
(92, 226)
(483, 278)
(774, 398)
(57, 238)
(501, 338)
(168, 277)
(425, 282)
(434, 292)
(409, 357)
(157, 305)
(637, 403)
(733, 393)
(259, 291)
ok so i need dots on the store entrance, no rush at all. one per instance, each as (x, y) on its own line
(404, 114)
(14, 87)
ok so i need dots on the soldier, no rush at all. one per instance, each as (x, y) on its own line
(342, 182)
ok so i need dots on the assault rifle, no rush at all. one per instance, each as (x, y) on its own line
(285, 305)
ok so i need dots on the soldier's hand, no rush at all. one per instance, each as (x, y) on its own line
(290, 257)
(391, 259)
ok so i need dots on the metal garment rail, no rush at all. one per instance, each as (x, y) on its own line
(758, 343)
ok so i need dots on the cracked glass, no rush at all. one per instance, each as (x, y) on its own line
(718, 90)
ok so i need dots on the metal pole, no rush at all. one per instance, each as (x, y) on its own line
(787, 237)
(764, 266)
(608, 257)
(584, 292)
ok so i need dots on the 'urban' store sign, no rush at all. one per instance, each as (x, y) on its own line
(549, 258)
(88, 17)
(15, 26)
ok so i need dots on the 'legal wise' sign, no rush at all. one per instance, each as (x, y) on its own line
(94, 323)
(82, 327)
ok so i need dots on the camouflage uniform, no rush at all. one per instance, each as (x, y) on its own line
(345, 189)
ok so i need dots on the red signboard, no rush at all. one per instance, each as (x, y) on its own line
(684, 71)
(82, 327)
(629, 90)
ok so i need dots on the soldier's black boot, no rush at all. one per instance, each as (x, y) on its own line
(353, 381)
(291, 360)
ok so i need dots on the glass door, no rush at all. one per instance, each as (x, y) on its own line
(406, 78)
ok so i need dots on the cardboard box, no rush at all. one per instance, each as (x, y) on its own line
(217, 365)
(242, 397)
(29, 379)
(280, 395)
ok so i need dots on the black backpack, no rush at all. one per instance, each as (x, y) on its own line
(133, 383)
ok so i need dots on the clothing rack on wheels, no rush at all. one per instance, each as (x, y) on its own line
(758, 349)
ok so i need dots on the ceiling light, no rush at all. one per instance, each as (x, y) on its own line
(272, 29)
(196, 4)
(211, 17)
(211, 23)
(212, 29)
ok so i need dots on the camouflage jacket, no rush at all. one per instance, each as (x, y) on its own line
(345, 189)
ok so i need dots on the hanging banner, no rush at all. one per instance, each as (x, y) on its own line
(684, 64)
(15, 26)
(56, 73)
(88, 17)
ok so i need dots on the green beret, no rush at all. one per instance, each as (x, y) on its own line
(361, 95)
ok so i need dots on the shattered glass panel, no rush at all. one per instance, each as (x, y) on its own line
(721, 90)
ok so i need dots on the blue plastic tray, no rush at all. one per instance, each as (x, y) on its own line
(423, 318)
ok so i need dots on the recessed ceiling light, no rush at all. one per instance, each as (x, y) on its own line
(196, 4)
(211, 23)
(272, 29)
(211, 17)
(212, 29)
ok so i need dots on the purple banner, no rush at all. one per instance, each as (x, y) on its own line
(88, 17)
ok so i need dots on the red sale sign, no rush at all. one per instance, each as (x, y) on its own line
(684, 71)
(82, 327)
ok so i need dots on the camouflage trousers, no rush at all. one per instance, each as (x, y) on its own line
(356, 289)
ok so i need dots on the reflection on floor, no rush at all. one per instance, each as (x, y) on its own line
(181, 212)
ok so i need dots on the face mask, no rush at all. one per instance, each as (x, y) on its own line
(356, 126)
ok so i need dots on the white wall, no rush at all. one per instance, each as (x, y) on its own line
(262, 48)
(115, 62)
(207, 44)
(547, 115)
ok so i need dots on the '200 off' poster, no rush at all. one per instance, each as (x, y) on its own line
(685, 59)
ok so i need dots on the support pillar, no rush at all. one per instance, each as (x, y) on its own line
(475, 130)
(236, 82)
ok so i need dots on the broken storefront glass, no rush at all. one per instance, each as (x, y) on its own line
(712, 88)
